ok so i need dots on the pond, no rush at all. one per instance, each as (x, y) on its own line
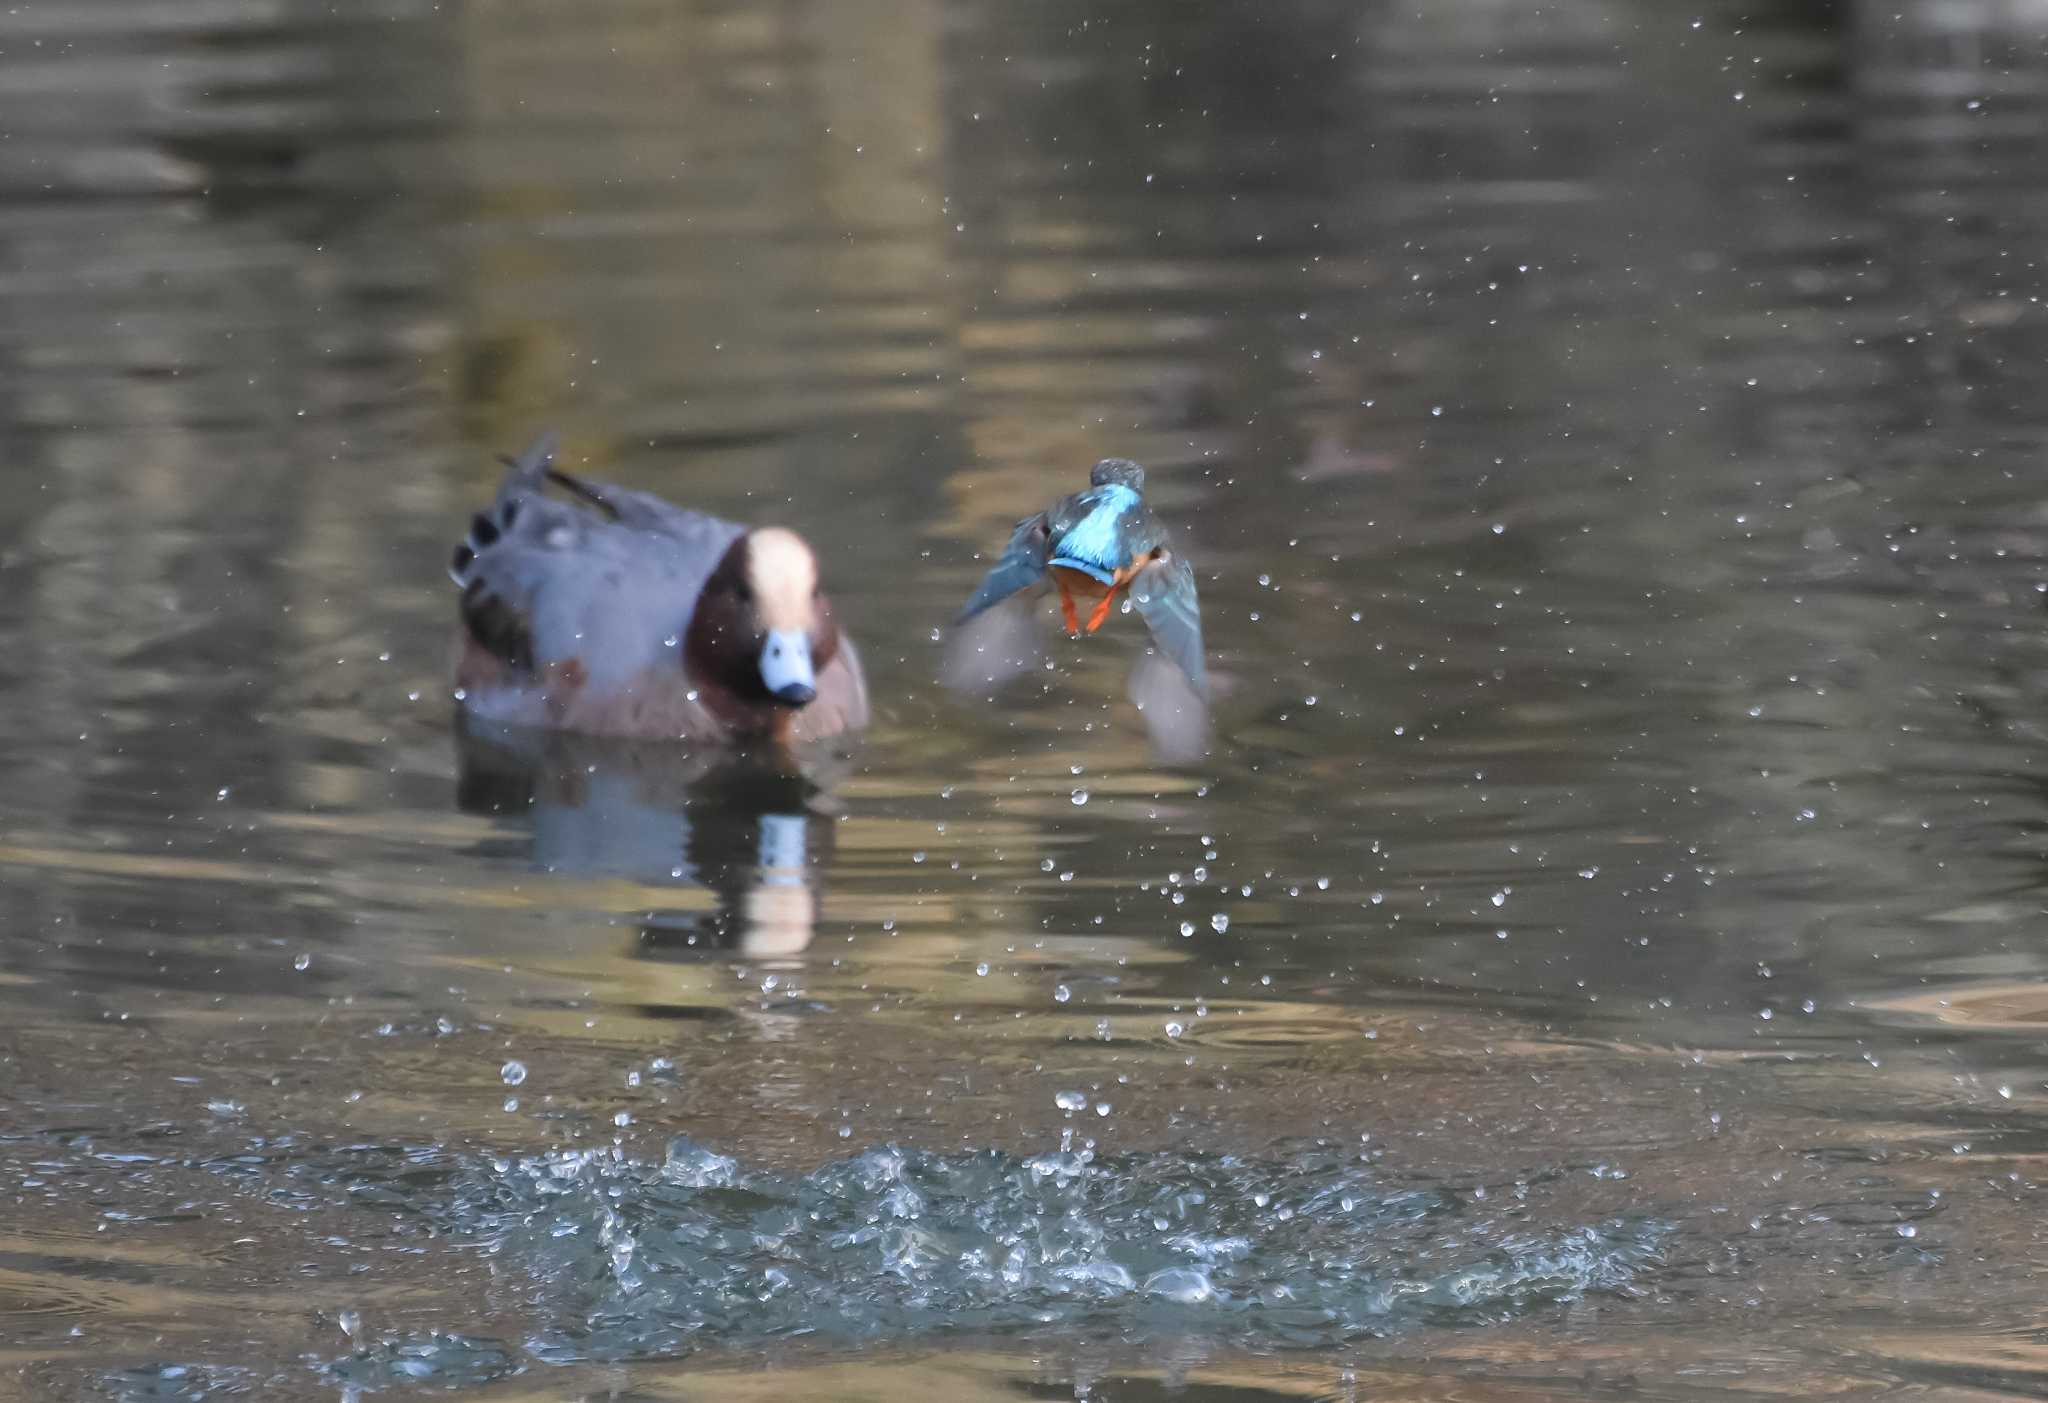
(1600, 951)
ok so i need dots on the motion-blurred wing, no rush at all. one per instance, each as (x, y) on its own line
(1022, 566)
(1164, 592)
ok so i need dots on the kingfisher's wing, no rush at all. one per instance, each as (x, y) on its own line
(1022, 565)
(1164, 593)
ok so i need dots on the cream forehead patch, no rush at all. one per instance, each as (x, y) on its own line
(784, 575)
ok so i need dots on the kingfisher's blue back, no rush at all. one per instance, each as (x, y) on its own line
(1098, 544)
(1106, 533)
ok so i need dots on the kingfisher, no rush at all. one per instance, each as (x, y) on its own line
(1095, 545)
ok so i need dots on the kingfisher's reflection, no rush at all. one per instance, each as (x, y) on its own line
(751, 834)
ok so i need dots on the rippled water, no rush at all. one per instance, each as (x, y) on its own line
(892, 1244)
(1611, 438)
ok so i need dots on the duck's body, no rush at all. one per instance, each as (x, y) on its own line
(619, 614)
(1097, 544)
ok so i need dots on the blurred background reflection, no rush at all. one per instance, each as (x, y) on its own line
(1611, 438)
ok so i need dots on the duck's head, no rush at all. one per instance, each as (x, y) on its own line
(762, 629)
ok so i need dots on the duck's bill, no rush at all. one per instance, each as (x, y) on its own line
(786, 668)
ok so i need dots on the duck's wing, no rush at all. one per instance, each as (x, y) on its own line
(1164, 593)
(1021, 566)
(604, 580)
(643, 511)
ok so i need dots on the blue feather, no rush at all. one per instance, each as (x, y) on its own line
(1095, 543)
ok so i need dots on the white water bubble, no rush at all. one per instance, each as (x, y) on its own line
(1185, 1285)
(1071, 1100)
(512, 1073)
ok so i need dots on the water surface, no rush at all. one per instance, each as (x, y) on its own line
(1599, 956)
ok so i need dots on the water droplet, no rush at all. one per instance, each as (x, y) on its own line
(981, 970)
(512, 1073)
(302, 963)
(1185, 1285)
(1061, 993)
(1219, 923)
(1071, 1100)
(1080, 797)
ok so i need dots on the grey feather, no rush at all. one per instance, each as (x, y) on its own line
(609, 579)
(1021, 566)
(1164, 594)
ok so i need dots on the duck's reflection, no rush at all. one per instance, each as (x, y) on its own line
(752, 834)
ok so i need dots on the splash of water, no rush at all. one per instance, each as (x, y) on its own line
(700, 1251)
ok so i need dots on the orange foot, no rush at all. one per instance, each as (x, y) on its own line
(1067, 612)
(1101, 612)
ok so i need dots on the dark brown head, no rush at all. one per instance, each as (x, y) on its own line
(762, 630)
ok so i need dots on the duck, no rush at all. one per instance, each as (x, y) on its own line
(1095, 546)
(611, 612)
